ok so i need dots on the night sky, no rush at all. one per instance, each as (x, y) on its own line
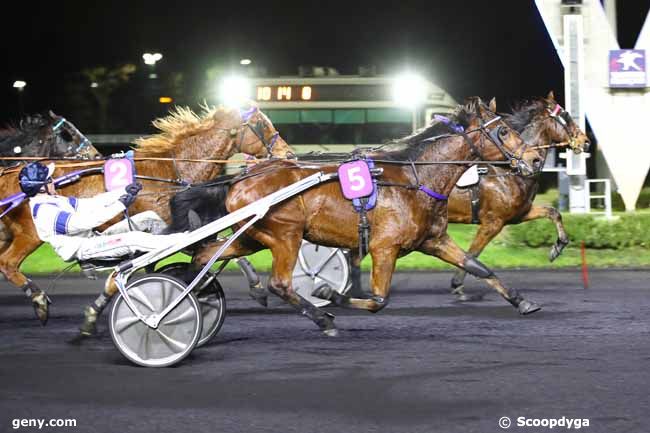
(468, 47)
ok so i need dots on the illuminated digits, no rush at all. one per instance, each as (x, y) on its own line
(306, 93)
(263, 93)
(284, 92)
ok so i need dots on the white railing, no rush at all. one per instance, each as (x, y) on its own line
(606, 196)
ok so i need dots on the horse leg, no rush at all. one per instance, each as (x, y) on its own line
(486, 232)
(383, 265)
(554, 215)
(446, 249)
(355, 273)
(285, 255)
(21, 246)
(242, 246)
(92, 312)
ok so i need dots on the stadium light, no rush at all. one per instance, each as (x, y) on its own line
(245, 62)
(151, 59)
(409, 90)
(19, 84)
(234, 90)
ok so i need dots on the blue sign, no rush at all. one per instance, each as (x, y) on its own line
(627, 68)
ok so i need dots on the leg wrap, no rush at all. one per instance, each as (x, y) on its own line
(323, 320)
(100, 303)
(476, 268)
(30, 288)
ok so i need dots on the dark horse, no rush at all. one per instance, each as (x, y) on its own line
(43, 135)
(36, 136)
(504, 198)
(405, 219)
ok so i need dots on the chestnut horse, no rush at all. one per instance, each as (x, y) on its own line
(216, 134)
(410, 214)
(504, 198)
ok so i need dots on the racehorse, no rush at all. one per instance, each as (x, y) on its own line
(43, 135)
(215, 134)
(410, 213)
(504, 198)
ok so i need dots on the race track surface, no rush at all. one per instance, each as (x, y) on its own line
(424, 364)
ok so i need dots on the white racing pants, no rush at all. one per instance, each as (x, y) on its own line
(117, 241)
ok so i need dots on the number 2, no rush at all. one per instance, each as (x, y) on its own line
(357, 182)
(118, 175)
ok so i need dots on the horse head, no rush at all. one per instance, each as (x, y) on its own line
(65, 140)
(497, 140)
(564, 128)
(266, 140)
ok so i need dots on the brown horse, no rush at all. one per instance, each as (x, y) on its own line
(216, 134)
(405, 219)
(507, 199)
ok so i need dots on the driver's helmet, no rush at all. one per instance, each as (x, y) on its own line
(35, 176)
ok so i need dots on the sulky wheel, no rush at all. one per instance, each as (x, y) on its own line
(318, 265)
(209, 294)
(177, 333)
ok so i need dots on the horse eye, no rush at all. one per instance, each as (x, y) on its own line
(503, 131)
(65, 135)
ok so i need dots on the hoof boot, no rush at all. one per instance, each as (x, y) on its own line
(41, 303)
(89, 327)
(331, 332)
(323, 292)
(527, 307)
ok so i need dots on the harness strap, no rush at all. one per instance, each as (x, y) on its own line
(475, 202)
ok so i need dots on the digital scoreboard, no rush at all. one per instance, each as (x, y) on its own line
(322, 92)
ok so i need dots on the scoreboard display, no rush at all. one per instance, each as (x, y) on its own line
(322, 92)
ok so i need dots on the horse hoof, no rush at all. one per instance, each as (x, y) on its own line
(41, 303)
(457, 289)
(89, 327)
(464, 297)
(331, 332)
(323, 292)
(526, 307)
(556, 250)
(260, 295)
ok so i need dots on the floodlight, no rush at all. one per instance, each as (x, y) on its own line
(234, 90)
(409, 90)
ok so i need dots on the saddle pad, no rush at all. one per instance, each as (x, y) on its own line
(118, 173)
(470, 177)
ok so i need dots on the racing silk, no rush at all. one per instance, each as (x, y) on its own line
(64, 222)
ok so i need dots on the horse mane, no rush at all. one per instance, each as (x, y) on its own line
(523, 113)
(21, 135)
(180, 124)
(416, 143)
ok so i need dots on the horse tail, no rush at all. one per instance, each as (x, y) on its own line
(198, 206)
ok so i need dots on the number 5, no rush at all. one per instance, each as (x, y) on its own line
(357, 183)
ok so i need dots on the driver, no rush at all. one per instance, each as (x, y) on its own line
(68, 223)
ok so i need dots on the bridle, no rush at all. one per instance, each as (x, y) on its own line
(496, 136)
(84, 143)
(563, 117)
(257, 129)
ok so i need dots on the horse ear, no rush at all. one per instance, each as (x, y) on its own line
(493, 105)
(550, 96)
(51, 114)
